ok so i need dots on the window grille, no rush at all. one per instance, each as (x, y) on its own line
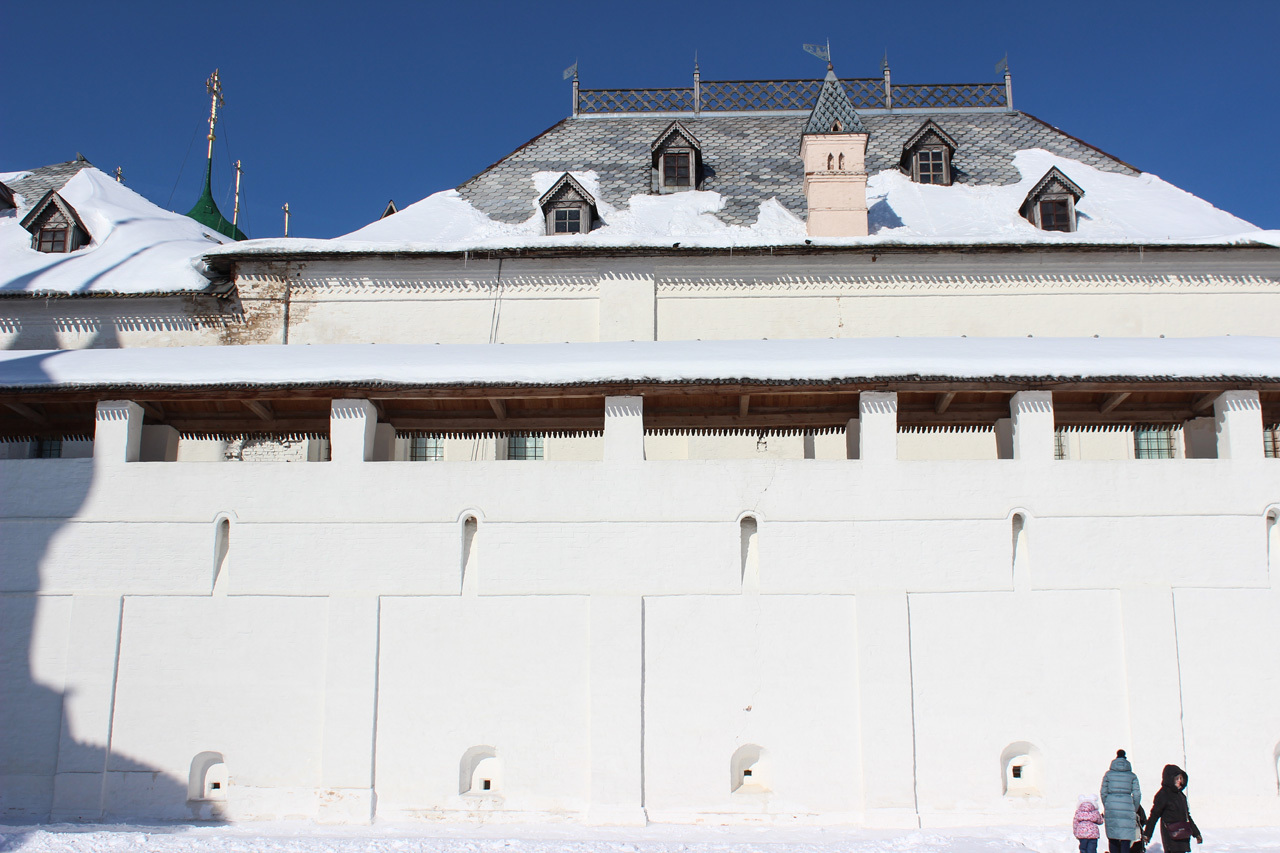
(1059, 444)
(426, 449)
(568, 220)
(47, 448)
(1271, 442)
(524, 447)
(1055, 215)
(1153, 443)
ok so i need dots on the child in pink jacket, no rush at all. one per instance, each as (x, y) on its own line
(1085, 824)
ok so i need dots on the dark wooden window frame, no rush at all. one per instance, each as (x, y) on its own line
(935, 153)
(1055, 199)
(555, 220)
(52, 239)
(670, 174)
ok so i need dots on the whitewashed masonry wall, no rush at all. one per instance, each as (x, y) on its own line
(875, 639)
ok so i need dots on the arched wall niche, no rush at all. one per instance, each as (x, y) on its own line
(207, 781)
(480, 772)
(1022, 770)
(749, 770)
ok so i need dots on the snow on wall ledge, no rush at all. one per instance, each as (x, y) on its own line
(136, 246)
(653, 361)
(1116, 209)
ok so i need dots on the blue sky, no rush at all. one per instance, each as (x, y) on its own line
(336, 107)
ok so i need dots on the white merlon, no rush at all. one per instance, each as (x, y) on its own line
(117, 432)
(624, 429)
(628, 307)
(1032, 416)
(352, 428)
(878, 426)
(1238, 415)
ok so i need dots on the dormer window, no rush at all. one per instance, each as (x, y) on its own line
(567, 220)
(51, 239)
(1051, 204)
(926, 156)
(567, 207)
(677, 158)
(54, 226)
(675, 170)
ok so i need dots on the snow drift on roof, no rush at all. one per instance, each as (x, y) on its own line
(136, 246)
(649, 361)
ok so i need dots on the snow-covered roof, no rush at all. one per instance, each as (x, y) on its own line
(1246, 359)
(135, 246)
(1117, 208)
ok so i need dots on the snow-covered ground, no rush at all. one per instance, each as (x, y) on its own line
(572, 838)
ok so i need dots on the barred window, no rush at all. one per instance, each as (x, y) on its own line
(931, 167)
(568, 220)
(1153, 443)
(424, 448)
(47, 448)
(1059, 444)
(524, 447)
(1271, 442)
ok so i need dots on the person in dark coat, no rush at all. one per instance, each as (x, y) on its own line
(1170, 807)
(1121, 799)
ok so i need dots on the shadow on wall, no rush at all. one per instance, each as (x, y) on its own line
(56, 762)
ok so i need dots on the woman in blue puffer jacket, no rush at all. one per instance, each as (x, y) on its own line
(1121, 799)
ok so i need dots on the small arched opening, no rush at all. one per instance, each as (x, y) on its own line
(221, 553)
(1021, 770)
(749, 770)
(749, 550)
(470, 547)
(479, 773)
(1273, 539)
(207, 781)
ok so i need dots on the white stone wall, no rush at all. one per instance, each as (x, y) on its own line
(618, 640)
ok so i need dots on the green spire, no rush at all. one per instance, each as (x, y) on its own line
(206, 210)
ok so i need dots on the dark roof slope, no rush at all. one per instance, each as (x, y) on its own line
(751, 158)
(38, 182)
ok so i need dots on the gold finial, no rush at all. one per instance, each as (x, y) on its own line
(119, 174)
(214, 85)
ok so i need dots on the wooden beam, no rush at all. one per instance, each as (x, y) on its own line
(28, 413)
(499, 408)
(943, 402)
(260, 409)
(1204, 403)
(744, 405)
(1114, 400)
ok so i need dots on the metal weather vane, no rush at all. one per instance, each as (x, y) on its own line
(823, 52)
